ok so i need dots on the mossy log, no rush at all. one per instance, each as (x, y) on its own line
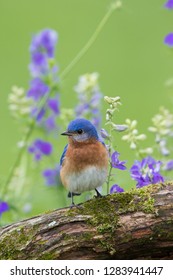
(133, 225)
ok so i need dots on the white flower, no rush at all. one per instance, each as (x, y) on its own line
(132, 136)
(87, 82)
(19, 104)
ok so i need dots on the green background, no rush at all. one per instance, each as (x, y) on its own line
(129, 55)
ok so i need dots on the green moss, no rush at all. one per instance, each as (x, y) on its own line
(11, 247)
(139, 199)
(106, 209)
(163, 230)
(49, 256)
(86, 236)
(98, 209)
(104, 213)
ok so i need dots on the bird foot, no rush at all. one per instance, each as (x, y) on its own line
(78, 206)
(97, 194)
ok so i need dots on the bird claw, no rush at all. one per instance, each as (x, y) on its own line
(97, 194)
(78, 206)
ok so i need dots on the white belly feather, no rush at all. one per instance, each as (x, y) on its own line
(89, 179)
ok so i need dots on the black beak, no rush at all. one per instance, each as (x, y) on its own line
(67, 133)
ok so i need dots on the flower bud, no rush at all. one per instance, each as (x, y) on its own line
(146, 151)
(132, 146)
(141, 137)
(134, 132)
(119, 127)
(104, 134)
(125, 137)
(112, 101)
(152, 129)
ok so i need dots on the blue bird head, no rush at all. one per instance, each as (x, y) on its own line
(81, 130)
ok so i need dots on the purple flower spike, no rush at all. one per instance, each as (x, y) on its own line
(116, 189)
(43, 70)
(169, 40)
(116, 163)
(37, 89)
(42, 49)
(169, 4)
(3, 207)
(146, 172)
(89, 97)
(46, 41)
(40, 148)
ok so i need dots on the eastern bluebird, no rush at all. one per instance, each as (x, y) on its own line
(84, 161)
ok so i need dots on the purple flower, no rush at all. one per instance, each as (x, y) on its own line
(169, 40)
(40, 148)
(96, 120)
(116, 163)
(169, 165)
(82, 109)
(42, 49)
(37, 89)
(104, 133)
(52, 176)
(39, 61)
(53, 104)
(45, 42)
(3, 207)
(169, 4)
(146, 172)
(50, 123)
(46, 117)
(95, 99)
(38, 114)
(116, 189)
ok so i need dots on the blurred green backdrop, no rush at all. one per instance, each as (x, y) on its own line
(129, 54)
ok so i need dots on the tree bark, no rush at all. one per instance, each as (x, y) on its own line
(133, 225)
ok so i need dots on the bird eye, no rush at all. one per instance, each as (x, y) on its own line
(80, 131)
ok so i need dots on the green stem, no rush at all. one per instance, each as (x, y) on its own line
(18, 159)
(22, 150)
(109, 177)
(110, 153)
(64, 73)
(90, 41)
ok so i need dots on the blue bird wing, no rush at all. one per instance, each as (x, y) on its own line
(103, 144)
(63, 155)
